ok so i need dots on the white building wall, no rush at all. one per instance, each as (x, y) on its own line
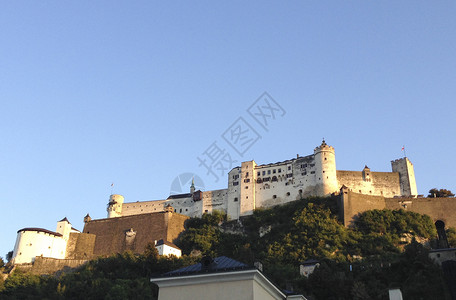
(30, 244)
(251, 186)
(247, 201)
(167, 250)
(115, 206)
(233, 194)
(325, 170)
(143, 207)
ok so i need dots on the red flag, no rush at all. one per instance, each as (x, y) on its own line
(403, 148)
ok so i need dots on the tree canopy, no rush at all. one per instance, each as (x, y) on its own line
(443, 193)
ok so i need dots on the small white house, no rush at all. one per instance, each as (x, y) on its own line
(306, 268)
(167, 248)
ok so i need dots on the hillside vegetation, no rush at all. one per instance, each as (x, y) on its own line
(362, 262)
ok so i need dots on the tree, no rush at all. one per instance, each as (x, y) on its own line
(442, 193)
(9, 256)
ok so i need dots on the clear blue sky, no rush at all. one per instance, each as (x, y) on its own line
(95, 92)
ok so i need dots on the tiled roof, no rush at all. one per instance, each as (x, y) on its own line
(65, 219)
(39, 230)
(178, 196)
(161, 242)
(221, 263)
(311, 261)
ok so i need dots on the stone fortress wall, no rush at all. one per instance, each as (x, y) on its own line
(132, 225)
(439, 209)
(252, 186)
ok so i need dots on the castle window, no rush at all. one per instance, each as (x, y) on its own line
(206, 211)
(360, 191)
(323, 171)
(180, 210)
(236, 199)
(274, 171)
(269, 172)
(304, 173)
(246, 197)
(247, 180)
(274, 178)
(264, 173)
(288, 193)
(235, 183)
(289, 175)
(279, 170)
(312, 172)
(259, 173)
(246, 187)
(267, 179)
(259, 180)
(289, 168)
(325, 158)
(246, 174)
(274, 196)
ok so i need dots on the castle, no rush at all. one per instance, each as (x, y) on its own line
(131, 226)
(252, 186)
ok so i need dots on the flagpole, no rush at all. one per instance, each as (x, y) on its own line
(405, 155)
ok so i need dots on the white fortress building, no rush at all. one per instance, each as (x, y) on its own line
(252, 186)
(32, 242)
(130, 226)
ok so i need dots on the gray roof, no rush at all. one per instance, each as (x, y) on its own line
(221, 263)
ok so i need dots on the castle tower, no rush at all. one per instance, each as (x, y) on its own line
(64, 228)
(406, 176)
(366, 174)
(115, 206)
(192, 187)
(247, 179)
(325, 170)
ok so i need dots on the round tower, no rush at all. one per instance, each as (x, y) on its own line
(115, 206)
(325, 169)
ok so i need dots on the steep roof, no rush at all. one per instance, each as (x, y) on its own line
(65, 219)
(164, 242)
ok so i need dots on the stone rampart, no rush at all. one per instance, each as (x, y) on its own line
(443, 209)
(351, 204)
(116, 235)
(47, 265)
